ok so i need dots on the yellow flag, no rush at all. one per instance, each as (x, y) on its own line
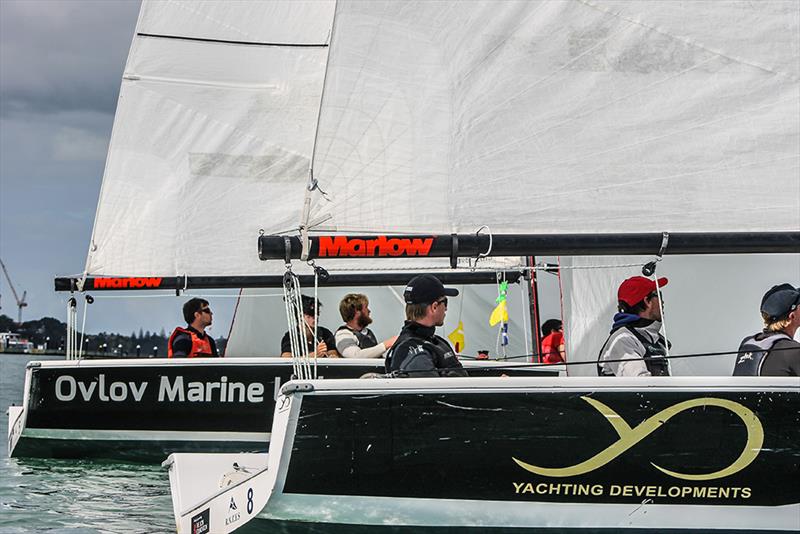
(499, 314)
(456, 337)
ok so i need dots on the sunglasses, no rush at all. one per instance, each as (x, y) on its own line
(442, 301)
(655, 295)
(206, 310)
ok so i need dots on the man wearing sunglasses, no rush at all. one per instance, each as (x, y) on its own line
(193, 341)
(773, 352)
(635, 346)
(418, 351)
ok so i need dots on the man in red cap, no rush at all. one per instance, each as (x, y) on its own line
(773, 352)
(635, 346)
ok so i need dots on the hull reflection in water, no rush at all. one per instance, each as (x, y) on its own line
(642, 454)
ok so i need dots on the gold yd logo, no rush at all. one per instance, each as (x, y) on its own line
(628, 437)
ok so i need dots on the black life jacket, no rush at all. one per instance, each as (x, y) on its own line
(365, 341)
(654, 353)
(443, 356)
(753, 352)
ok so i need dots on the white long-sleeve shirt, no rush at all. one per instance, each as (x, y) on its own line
(623, 345)
(348, 347)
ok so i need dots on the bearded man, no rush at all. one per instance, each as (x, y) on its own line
(354, 339)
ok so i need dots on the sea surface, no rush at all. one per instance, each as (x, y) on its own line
(43, 495)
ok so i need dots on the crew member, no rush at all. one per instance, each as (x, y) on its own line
(193, 341)
(418, 351)
(635, 346)
(553, 341)
(324, 345)
(354, 339)
(773, 352)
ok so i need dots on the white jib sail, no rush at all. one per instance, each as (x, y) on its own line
(212, 137)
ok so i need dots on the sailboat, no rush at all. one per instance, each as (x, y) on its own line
(211, 147)
(456, 130)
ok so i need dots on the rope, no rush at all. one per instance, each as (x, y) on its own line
(663, 316)
(525, 320)
(68, 354)
(316, 318)
(72, 321)
(292, 303)
(83, 329)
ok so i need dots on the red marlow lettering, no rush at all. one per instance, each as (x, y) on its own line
(332, 246)
(357, 247)
(341, 246)
(395, 247)
(421, 247)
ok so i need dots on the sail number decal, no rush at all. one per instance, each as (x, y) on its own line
(628, 437)
(344, 247)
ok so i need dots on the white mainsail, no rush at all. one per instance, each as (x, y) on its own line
(530, 116)
(558, 117)
(562, 116)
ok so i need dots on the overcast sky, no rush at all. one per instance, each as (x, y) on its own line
(61, 63)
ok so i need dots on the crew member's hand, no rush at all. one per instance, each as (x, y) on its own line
(322, 349)
(389, 342)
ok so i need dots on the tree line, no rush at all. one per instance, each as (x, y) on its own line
(49, 335)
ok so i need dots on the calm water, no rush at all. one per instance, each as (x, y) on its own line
(74, 496)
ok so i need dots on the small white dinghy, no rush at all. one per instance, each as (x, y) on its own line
(230, 488)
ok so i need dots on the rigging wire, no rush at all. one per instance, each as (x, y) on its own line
(87, 300)
(594, 362)
(190, 292)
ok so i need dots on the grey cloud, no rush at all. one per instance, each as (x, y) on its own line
(58, 56)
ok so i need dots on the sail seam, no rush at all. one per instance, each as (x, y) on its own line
(228, 41)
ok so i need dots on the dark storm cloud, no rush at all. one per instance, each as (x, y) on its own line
(58, 56)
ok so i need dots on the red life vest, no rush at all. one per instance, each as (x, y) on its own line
(550, 345)
(200, 346)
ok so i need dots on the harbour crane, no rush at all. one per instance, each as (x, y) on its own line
(20, 301)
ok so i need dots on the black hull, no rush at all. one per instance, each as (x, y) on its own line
(137, 451)
(534, 455)
(143, 410)
(677, 447)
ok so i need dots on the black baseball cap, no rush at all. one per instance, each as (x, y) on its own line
(425, 289)
(780, 301)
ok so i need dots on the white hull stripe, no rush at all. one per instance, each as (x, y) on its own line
(142, 435)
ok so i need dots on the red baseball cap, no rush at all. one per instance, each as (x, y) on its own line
(635, 289)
